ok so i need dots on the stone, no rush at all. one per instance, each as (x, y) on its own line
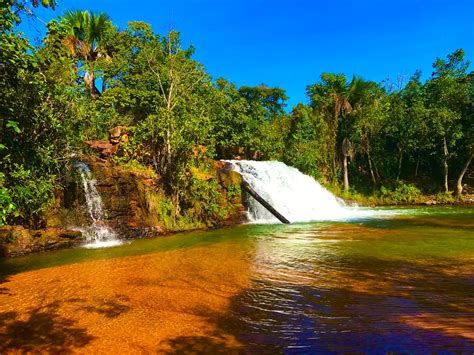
(116, 134)
(104, 148)
(17, 240)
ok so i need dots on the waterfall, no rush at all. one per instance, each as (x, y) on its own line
(296, 196)
(97, 234)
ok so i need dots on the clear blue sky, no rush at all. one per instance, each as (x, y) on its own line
(290, 43)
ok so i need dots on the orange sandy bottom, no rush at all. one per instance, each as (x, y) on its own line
(153, 303)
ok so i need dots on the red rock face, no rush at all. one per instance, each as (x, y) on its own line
(110, 147)
(105, 148)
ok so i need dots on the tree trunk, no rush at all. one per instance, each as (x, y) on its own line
(346, 175)
(168, 147)
(445, 164)
(461, 176)
(371, 167)
(89, 80)
(417, 165)
(400, 159)
(104, 84)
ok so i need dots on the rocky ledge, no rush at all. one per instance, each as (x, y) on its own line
(17, 240)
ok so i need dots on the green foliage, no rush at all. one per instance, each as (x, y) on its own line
(306, 147)
(400, 193)
(177, 118)
(11, 11)
(204, 198)
(7, 207)
(234, 193)
(31, 193)
(444, 198)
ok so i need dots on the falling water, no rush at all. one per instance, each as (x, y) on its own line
(296, 196)
(98, 234)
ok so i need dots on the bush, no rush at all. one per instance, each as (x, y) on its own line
(31, 193)
(445, 197)
(7, 207)
(205, 199)
(400, 193)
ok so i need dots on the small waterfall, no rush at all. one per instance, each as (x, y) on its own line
(296, 196)
(98, 234)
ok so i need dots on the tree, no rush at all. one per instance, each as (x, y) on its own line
(466, 143)
(306, 141)
(331, 97)
(447, 90)
(36, 111)
(232, 121)
(337, 98)
(11, 11)
(408, 128)
(85, 34)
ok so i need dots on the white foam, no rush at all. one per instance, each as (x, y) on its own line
(297, 196)
(98, 234)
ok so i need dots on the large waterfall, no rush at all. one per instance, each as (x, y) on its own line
(296, 196)
(97, 234)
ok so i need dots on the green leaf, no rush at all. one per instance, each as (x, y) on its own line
(13, 125)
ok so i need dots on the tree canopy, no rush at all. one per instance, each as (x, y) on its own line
(88, 76)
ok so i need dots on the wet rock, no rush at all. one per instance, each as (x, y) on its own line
(17, 240)
(129, 197)
(133, 202)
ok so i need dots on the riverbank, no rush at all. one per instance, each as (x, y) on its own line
(402, 195)
(424, 200)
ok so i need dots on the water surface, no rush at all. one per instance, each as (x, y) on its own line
(401, 281)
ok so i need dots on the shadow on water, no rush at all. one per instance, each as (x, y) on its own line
(4, 290)
(201, 345)
(340, 321)
(43, 330)
(106, 308)
(427, 310)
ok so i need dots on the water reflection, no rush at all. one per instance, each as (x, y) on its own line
(371, 286)
(375, 287)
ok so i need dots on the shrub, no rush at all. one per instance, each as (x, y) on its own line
(445, 197)
(400, 193)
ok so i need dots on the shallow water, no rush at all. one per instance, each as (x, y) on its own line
(400, 281)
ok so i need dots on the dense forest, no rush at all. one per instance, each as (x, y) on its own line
(357, 137)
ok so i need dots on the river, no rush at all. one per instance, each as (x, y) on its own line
(399, 281)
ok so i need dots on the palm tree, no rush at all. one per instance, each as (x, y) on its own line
(338, 96)
(85, 39)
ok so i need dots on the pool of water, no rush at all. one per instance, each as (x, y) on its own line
(401, 280)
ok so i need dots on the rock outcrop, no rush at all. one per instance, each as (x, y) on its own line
(135, 206)
(17, 240)
(110, 147)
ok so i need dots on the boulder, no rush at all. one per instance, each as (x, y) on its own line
(17, 240)
(105, 148)
(118, 134)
